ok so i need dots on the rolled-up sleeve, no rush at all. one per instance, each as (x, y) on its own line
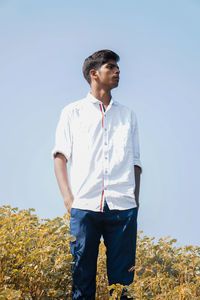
(63, 137)
(136, 145)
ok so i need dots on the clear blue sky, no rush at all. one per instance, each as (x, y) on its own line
(42, 47)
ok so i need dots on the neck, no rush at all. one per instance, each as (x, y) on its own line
(102, 95)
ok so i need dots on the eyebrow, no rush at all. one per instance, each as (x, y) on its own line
(113, 65)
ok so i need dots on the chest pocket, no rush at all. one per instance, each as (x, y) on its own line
(122, 141)
(122, 134)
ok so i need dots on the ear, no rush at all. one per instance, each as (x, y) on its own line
(93, 74)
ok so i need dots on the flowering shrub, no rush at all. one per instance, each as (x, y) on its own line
(35, 262)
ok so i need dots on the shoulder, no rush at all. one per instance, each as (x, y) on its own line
(68, 109)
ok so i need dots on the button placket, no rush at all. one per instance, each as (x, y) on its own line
(105, 150)
(105, 153)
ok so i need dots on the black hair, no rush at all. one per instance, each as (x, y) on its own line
(96, 60)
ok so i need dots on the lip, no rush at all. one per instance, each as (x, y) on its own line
(116, 77)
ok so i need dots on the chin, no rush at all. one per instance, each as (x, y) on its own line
(114, 86)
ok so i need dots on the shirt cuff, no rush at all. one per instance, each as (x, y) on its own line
(55, 151)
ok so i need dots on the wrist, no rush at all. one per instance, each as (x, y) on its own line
(67, 195)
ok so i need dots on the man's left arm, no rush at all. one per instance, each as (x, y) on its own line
(137, 162)
(138, 171)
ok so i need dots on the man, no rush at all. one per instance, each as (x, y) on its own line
(100, 138)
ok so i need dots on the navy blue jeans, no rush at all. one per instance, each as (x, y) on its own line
(119, 231)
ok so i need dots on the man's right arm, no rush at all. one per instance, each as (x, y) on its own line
(60, 169)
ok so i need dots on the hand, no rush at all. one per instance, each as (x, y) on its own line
(68, 202)
(137, 201)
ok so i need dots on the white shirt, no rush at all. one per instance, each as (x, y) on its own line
(103, 147)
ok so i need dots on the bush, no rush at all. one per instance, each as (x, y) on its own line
(35, 262)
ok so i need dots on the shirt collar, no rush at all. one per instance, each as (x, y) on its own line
(92, 99)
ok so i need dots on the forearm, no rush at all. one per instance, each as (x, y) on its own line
(60, 169)
(137, 170)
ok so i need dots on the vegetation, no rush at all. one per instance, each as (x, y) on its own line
(35, 262)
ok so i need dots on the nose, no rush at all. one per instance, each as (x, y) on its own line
(117, 71)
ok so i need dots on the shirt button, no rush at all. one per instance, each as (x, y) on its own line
(106, 157)
(105, 143)
(105, 129)
(106, 171)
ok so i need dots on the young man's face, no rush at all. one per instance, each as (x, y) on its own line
(107, 75)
